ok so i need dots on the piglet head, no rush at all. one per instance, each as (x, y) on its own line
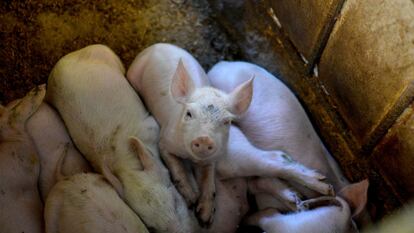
(207, 114)
(154, 197)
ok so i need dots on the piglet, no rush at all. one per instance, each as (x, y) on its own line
(20, 203)
(276, 120)
(87, 203)
(112, 129)
(194, 117)
(324, 214)
(51, 138)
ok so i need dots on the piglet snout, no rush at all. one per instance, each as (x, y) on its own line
(203, 146)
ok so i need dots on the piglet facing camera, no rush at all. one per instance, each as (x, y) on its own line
(194, 118)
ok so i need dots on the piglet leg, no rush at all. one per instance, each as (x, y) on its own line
(277, 189)
(206, 203)
(179, 176)
(319, 202)
(243, 159)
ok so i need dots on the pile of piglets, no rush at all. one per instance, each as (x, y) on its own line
(167, 148)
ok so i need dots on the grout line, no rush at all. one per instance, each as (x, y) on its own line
(326, 34)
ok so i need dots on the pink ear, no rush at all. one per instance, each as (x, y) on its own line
(142, 153)
(356, 196)
(241, 97)
(182, 85)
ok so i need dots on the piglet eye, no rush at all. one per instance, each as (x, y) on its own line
(188, 114)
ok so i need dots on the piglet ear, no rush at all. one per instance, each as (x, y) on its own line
(12, 104)
(241, 97)
(142, 153)
(28, 104)
(182, 85)
(356, 196)
(58, 170)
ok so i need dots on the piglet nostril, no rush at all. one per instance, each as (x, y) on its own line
(210, 147)
(197, 145)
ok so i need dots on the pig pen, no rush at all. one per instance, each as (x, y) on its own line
(350, 62)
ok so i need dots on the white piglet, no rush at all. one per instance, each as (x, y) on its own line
(324, 214)
(111, 127)
(318, 215)
(88, 200)
(194, 117)
(52, 140)
(275, 120)
(20, 203)
(87, 203)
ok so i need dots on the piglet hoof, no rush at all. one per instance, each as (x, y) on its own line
(314, 174)
(205, 213)
(292, 201)
(327, 189)
(320, 177)
(190, 196)
(318, 186)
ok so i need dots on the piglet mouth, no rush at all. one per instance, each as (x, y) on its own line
(202, 159)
